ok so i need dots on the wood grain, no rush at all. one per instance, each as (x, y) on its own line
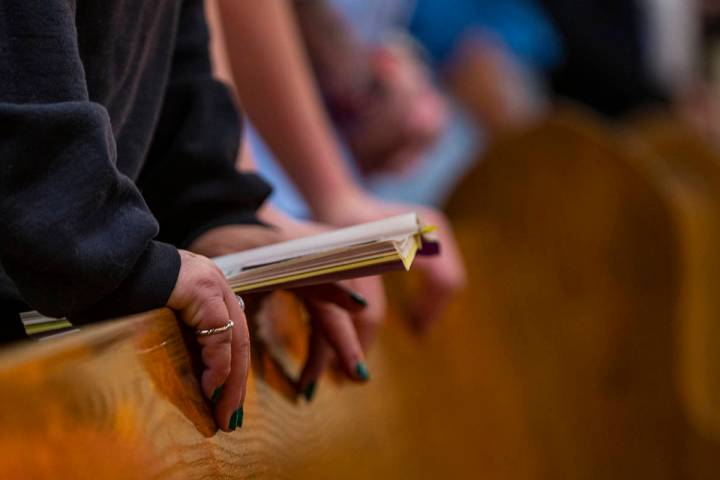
(121, 400)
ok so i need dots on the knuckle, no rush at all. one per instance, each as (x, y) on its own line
(211, 310)
(205, 284)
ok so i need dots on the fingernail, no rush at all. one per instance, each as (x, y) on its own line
(309, 391)
(362, 372)
(235, 418)
(359, 299)
(216, 395)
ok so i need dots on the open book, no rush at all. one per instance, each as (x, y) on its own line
(358, 251)
(361, 250)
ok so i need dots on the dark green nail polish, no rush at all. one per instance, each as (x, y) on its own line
(216, 395)
(239, 414)
(309, 391)
(232, 425)
(359, 299)
(362, 372)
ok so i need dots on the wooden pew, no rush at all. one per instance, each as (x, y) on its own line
(580, 244)
(690, 169)
(121, 400)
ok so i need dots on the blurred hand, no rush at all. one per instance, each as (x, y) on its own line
(204, 300)
(400, 116)
(494, 87)
(699, 107)
(442, 277)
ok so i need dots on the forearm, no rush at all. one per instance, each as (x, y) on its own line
(77, 237)
(301, 137)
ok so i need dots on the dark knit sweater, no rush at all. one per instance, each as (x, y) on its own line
(116, 147)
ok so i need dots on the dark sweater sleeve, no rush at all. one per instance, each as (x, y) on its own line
(190, 181)
(76, 236)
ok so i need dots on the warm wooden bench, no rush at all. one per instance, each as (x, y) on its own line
(593, 266)
(121, 400)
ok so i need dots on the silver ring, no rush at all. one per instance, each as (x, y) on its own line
(241, 302)
(215, 331)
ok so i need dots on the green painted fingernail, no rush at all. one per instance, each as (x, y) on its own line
(232, 425)
(362, 372)
(216, 395)
(309, 391)
(359, 299)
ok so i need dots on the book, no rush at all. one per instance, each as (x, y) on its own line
(367, 249)
(361, 250)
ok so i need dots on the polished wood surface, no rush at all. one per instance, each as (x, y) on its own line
(121, 400)
(583, 349)
(689, 168)
(575, 267)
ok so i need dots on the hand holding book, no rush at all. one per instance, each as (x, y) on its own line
(439, 279)
(351, 252)
(309, 266)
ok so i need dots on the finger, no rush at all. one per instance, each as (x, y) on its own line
(431, 304)
(437, 288)
(335, 293)
(338, 329)
(230, 407)
(368, 321)
(215, 350)
(442, 277)
(319, 354)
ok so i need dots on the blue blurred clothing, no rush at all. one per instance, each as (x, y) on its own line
(521, 25)
(284, 195)
(428, 183)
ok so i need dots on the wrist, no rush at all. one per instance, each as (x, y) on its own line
(331, 204)
(339, 207)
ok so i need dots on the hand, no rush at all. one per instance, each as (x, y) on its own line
(441, 277)
(347, 332)
(344, 318)
(234, 238)
(493, 86)
(204, 300)
(399, 118)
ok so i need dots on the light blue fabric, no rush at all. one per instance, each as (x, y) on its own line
(438, 172)
(285, 196)
(428, 183)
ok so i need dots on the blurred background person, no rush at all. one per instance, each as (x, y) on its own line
(276, 89)
(492, 56)
(486, 59)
